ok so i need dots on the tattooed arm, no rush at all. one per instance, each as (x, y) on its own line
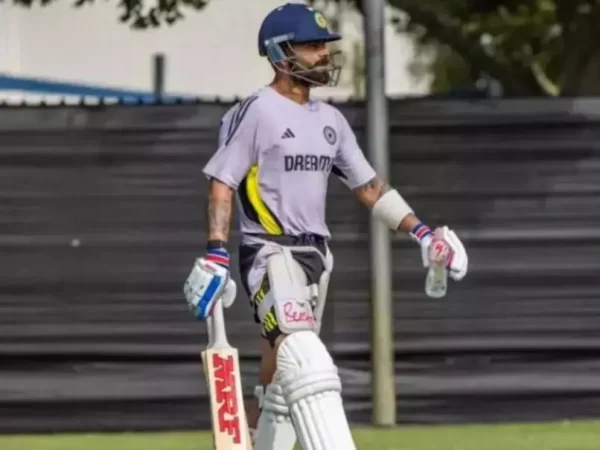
(209, 280)
(230, 164)
(370, 192)
(220, 211)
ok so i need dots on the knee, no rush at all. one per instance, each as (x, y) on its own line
(304, 348)
(305, 367)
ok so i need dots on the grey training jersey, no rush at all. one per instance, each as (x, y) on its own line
(278, 155)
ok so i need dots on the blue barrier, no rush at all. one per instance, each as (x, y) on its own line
(42, 86)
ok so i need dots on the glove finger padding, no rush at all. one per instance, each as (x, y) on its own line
(229, 294)
(459, 263)
(425, 244)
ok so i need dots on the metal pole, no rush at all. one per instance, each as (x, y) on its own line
(158, 72)
(382, 336)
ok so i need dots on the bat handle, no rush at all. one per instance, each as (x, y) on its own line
(436, 282)
(215, 324)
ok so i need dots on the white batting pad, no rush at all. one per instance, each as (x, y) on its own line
(312, 390)
(275, 430)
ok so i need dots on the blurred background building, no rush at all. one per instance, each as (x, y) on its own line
(210, 54)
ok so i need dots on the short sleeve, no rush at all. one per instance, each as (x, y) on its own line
(350, 163)
(237, 145)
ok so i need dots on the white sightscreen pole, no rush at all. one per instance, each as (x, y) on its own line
(382, 340)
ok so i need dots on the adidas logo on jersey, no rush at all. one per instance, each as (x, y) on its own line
(288, 134)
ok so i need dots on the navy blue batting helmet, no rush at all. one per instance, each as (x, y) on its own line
(295, 23)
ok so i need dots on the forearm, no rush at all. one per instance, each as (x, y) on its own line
(220, 211)
(409, 223)
(373, 191)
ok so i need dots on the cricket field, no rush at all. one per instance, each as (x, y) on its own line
(581, 435)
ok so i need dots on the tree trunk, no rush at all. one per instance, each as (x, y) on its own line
(589, 81)
(516, 81)
(581, 61)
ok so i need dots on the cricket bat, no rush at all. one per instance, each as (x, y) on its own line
(436, 282)
(222, 371)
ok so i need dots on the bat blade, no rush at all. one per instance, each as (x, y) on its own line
(229, 423)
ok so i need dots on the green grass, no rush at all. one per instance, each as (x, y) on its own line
(550, 436)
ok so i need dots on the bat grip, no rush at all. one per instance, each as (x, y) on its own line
(215, 325)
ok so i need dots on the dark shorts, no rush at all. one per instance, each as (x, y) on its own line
(251, 260)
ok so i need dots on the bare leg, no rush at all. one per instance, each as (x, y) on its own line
(265, 376)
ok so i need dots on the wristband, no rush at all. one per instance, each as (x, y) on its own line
(420, 232)
(215, 244)
(218, 255)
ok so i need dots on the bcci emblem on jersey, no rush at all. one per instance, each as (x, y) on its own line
(330, 135)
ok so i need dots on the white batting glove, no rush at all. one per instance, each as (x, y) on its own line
(208, 283)
(448, 247)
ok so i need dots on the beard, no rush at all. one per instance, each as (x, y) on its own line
(318, 74)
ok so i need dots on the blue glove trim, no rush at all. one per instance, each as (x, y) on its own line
(207, 301)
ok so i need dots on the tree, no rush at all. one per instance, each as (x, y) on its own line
(138, 14)
(532, 47)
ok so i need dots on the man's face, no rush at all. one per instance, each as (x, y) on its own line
(313, 62)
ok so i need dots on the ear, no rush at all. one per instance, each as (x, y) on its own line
(280, 67)
(288, 49)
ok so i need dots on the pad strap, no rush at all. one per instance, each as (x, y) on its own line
(275, 430)
(271, 399)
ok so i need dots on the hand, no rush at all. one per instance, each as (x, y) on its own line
(445, 245)
(208, 283)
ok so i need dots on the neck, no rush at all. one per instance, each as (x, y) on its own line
(291, 89)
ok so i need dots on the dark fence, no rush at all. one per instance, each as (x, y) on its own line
(102, 214)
